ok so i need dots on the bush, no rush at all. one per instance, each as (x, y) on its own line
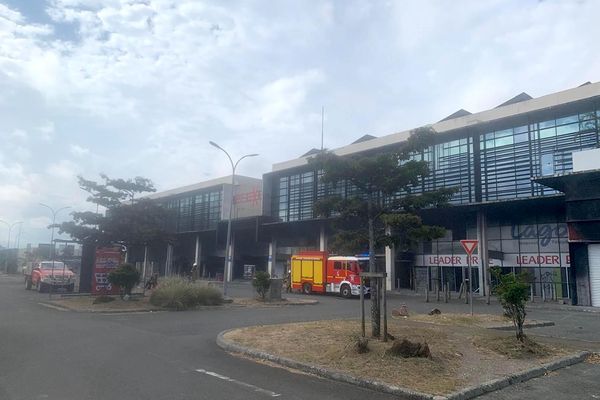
(406, 349)
(181, 294)
(262, 283)
(361, 344)
(126, 276)
(513, 292)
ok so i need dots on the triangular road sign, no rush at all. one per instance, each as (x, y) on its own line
(469, 245)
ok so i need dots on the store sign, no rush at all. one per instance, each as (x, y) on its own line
(546, 233)
(446, 260)
(510, 260)
(107, 259)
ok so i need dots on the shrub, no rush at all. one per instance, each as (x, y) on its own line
(181, 294)
(406, 349)
(262, 283)
(126, 276)
(361, 344)
(513, 292)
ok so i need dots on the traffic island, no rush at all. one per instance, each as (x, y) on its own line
(90, 304)
(464, 361)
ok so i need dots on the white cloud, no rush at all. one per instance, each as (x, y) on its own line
(140, 87)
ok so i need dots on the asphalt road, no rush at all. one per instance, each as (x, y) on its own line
(49, 354)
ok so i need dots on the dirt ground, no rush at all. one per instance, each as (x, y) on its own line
(462, 355)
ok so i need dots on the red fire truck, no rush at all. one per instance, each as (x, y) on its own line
(315, 272)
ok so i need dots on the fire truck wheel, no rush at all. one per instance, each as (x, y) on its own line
(345, 291)
(27, 284)
(306, 288)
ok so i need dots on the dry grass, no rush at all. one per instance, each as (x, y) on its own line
(455, 360)
(254, 302)
(593, 358)
(510, 347)
(86, 303)
(481, 320)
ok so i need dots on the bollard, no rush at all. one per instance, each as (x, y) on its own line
(531, 293)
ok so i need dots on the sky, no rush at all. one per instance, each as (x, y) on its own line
(138, 88)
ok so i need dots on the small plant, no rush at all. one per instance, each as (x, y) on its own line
(513, 292)
(126, 276)
(261, 283)
(361, 344)
(180, 294)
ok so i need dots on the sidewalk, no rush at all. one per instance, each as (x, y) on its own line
(538, 304)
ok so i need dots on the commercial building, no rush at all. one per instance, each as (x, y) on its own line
(493, 157)
(507, 164)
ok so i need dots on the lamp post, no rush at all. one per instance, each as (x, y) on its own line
(228, 260)
(10, 226)
(54, 213)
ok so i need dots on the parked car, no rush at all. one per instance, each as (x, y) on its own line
(46, 275)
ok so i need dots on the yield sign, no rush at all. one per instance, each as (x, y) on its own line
(469, 245)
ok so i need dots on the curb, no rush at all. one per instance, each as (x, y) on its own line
(69, 309)
(464, 394)
(539, 324)
(536, 372)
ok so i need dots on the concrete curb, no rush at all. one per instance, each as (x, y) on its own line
(464, 394)
(69, 309)
(320, 371)
(536, 372)
(538, 324)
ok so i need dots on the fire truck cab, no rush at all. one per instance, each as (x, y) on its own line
(315, 272)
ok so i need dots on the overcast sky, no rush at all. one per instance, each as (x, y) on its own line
(128, 88)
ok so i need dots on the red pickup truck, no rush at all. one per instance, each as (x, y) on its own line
(49, 274)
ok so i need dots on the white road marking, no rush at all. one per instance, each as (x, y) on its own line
(249, 386)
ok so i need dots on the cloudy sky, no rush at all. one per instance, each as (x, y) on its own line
(139, 87)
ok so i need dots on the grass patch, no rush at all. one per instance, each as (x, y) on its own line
(180, 294)
(459, 355)
(512, 348)
(102, 299)
(482, 320)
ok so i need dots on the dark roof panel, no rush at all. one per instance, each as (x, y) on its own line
(460, 113)
(364, 138)
(311, 152)
(517, 99)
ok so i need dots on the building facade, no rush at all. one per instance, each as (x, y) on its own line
(492, 158)
(506, 164)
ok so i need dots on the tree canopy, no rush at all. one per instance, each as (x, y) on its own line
(125, 220)
(373, 201)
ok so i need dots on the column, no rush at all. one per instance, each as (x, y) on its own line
(272, 256)
(322, 239)
(483, 252)
(198, 252)
(231, 257)
(390, 264)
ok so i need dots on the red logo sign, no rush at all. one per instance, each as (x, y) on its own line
(107, 259)
(469, 245)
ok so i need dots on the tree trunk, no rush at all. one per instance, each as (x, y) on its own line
(375, 312)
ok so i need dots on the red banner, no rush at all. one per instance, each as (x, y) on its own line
(107, 259)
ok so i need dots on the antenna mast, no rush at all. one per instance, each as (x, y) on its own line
(322, 122)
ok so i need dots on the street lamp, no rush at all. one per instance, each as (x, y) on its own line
(228, 260)
(54, 213)
(10, 226)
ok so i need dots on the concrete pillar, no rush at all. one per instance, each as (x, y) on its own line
(272, 256)
(322, 240)
(198, 251)
(483, 252)
(390, 264)
(231, 258)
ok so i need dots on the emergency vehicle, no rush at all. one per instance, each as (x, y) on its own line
(315, 272)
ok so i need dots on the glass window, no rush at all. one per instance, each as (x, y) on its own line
(547, 124)
(567, 120)
(504, 141)
(547, 166)
(337, 265)
(546, 133)
(565, 129)
(522, 137)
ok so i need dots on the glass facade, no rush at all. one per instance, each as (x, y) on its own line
(196, 211)
(492, 166)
